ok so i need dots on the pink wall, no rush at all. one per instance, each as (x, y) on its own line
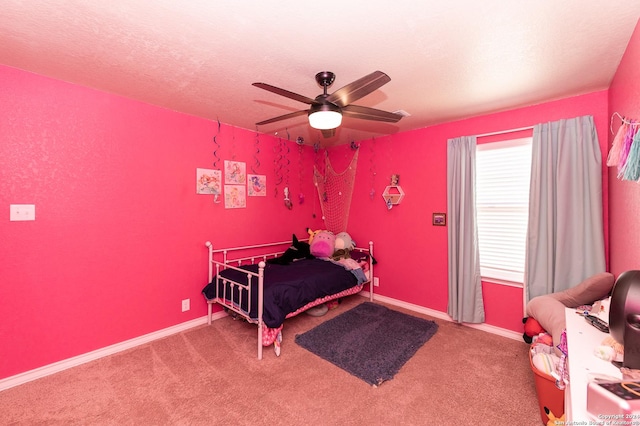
(118, 239)
(412, 253)
(624, 196)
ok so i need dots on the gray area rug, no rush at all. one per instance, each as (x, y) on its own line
(370, 341)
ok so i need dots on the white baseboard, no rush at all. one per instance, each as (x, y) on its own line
(65, 364)
(56, 367)
(444, 316)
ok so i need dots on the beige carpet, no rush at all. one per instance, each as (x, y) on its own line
(210, 375)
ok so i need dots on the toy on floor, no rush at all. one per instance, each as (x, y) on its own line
(553, 420)
(333, 304)
(317, 311)
(531, 329)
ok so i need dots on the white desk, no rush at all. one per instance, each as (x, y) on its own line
(582, 339)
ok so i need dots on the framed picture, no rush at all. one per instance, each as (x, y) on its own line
(439, 219)
(208, 181)
(235, 172)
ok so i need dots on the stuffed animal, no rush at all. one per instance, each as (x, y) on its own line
(553, 420)
(298, 250)
(323, 244)
(312, 234)
(531, 328)
(344, 242)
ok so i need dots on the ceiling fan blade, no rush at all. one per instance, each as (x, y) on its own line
(359, 88)
(285, 93)
(328, 133)
(366, 113)
(284, 117)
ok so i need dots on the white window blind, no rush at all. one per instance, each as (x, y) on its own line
(503, 171)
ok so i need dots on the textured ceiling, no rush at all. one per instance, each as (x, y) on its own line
(447, 59)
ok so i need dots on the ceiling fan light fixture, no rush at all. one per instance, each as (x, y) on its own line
(324, 117)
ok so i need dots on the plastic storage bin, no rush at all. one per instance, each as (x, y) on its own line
(548, 394)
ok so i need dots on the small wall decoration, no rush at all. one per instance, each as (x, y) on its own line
(287, 201)
(235, 172)
(208, 181)
(257, 185)
(235, 196)
(625, 150)
(439, 219)
(393, 194)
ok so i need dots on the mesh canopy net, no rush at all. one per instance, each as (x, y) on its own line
(335, 191)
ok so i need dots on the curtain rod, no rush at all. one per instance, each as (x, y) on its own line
(504, 131)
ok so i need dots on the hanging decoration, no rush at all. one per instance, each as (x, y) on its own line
(216, 159)
(287, 201)
(286, 163)
(286, 160)
(625, 149)
(256, 165)
(316, 149)
(372, 168)
(300, 142)
(335, 191)
(277, 166)
(233, 144)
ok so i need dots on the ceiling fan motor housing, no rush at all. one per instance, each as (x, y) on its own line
(325, 79)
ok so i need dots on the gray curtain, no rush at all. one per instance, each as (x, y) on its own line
(465, 286)
(565, 238)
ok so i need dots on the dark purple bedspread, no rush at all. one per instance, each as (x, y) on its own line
(287, 288)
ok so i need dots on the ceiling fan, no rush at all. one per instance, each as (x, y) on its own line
(326, 110)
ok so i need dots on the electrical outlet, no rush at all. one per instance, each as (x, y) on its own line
(186, 305)
(376, 282)
(19, 212)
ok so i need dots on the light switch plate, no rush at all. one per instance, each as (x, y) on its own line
(22, 212)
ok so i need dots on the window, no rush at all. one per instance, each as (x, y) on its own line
(503, 171)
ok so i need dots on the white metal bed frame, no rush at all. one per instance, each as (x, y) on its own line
(230, 261)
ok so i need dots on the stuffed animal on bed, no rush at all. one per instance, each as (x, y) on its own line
(312, 234)
(344, 242)
(323, 244)
(298, 250)
(343, 246)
